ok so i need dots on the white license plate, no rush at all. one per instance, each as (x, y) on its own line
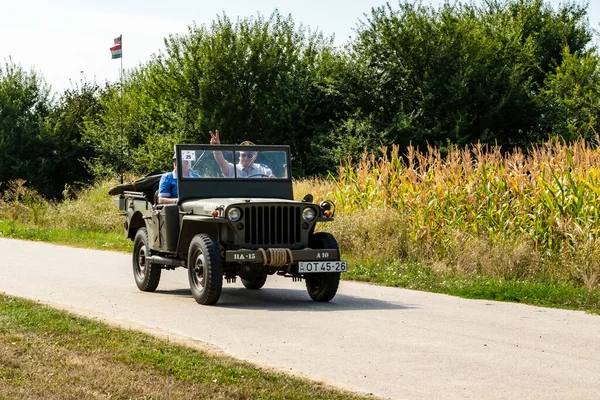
(307, 267)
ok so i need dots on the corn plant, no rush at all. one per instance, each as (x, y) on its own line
(545, 200)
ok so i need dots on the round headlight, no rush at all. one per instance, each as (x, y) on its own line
(308, 214)
(234, 214)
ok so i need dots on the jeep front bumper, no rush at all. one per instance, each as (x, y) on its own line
(257, 256)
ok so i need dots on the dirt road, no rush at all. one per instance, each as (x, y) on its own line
(393, 343)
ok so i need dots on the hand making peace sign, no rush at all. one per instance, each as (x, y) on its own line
(214, 137)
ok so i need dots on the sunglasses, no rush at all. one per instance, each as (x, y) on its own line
(246, 155)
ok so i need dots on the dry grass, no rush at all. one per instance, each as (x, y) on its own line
(375, 234)
(90, 209)
(321, 189)
(31, 367)
(47, 354)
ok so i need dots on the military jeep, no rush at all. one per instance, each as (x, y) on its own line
(231, 222)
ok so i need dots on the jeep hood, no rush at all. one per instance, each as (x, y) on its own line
(206, 206)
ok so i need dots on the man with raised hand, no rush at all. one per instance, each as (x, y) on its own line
(246, 167)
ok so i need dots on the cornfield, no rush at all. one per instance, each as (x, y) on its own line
(475, 209)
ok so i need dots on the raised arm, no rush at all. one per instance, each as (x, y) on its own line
(223, 164)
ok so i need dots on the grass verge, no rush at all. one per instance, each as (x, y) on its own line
(45, 353)
(527, 291)
(73, 238)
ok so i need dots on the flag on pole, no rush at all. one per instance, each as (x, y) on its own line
(116, 50)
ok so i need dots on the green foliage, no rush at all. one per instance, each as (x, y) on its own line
(89, 209)
(24, 103)
(64, 126)
(461, 73)
(107, 133)
(20, 203)
(255, 79)
(41, 140)
(571, 96)
(507, 72)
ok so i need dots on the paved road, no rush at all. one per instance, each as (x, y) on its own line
(393, 343)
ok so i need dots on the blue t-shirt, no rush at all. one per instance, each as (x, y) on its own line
(168, 184)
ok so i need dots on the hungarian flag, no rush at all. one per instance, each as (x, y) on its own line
(116, 49)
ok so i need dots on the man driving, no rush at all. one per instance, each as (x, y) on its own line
(246, 166)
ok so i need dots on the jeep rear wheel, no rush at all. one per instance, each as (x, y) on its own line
(322, 287)
(205, 269)
(254, 280)
(146, 275)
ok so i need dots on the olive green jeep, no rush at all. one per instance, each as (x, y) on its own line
(232, 219)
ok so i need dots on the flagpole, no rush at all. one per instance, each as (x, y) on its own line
(121, 111)
(117, 52)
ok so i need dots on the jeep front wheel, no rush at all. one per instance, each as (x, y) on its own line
(146, 275)
(322, 287)
(205, 269)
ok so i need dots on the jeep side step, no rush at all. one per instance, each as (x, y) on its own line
(166, 261)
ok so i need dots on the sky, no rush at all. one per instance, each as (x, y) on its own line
(68, 41)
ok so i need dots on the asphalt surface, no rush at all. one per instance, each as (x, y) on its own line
(388, 342)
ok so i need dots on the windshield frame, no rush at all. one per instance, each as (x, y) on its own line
(234, 149)
(226, 187)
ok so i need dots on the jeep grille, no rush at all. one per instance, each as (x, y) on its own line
(272, 225)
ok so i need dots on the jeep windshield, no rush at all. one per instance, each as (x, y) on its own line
(242, 163)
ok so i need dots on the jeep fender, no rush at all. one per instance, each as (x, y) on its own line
(191, 225)
(136, 222)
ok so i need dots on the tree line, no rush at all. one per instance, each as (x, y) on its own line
(507, 72)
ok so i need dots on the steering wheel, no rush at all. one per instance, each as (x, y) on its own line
(254, 175)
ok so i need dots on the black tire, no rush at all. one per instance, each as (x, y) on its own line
(322, 287)
(205, 269)
(255, 280)
(147, 276)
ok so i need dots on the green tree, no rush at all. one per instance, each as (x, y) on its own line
(24, 147)
(65, 126)
(571, 96)
(257, 79)
(113, 135)
(458, 74)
